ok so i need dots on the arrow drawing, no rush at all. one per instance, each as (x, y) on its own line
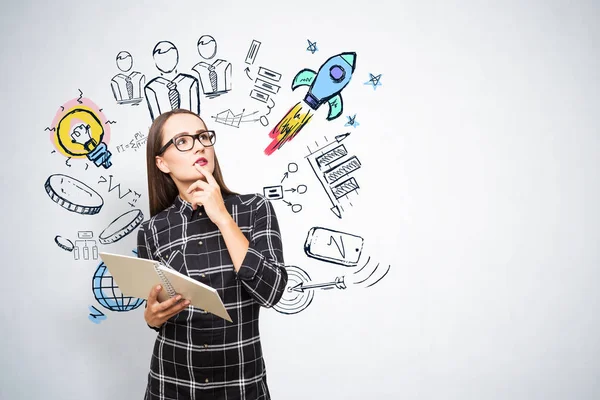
(338, 283)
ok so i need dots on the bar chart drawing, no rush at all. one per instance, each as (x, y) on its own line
(333, 166)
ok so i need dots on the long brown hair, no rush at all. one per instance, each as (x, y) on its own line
(162, 191)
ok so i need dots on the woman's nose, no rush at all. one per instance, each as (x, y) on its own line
(198, 143)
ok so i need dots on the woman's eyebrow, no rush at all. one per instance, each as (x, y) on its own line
(187, 133)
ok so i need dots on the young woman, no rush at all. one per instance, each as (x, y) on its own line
(228, 241)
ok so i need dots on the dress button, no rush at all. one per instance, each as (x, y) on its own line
(200, 243)
(205, 345)
(199, 214)
(202, 276)
(206, 380)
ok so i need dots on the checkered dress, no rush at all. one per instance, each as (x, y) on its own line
(196, 354)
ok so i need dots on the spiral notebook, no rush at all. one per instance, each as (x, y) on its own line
(136, 276)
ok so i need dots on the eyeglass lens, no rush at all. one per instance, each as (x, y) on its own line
(186, 142)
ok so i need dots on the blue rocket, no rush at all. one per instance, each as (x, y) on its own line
(326, 85)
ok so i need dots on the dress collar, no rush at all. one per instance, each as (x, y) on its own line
(184, 207)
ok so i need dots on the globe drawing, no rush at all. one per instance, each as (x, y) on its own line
(108, 293)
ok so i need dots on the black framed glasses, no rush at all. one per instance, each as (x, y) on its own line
(185, 141)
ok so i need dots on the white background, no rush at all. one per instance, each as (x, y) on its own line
(479, 186)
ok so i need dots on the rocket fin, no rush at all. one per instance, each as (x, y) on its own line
(335, 107)
(304, 78)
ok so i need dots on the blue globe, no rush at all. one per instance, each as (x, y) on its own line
(108, 293)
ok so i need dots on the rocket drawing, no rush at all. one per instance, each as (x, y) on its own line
(327, 84)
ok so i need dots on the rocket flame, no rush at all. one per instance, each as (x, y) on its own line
(288, 127)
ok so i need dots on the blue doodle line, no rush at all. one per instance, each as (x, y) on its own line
(312, 46)
(96, 316)
(374, 80)
(352, 121)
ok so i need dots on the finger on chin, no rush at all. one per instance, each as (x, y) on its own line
(199, 168)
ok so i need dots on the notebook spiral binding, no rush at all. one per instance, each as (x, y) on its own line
(165, 281)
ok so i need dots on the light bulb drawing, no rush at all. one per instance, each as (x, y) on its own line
(82, 131)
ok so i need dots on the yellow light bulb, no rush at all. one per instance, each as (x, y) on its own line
(80, 133)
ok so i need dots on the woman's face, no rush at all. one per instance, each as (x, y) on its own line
(180, 164)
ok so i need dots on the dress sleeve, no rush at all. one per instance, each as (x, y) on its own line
(143, 251)
(263, 272)
(143, 248)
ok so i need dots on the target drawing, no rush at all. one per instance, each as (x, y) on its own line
(293, 300)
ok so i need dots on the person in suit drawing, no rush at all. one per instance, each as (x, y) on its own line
(171, 90)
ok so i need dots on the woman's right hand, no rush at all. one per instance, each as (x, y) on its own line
(158, 313)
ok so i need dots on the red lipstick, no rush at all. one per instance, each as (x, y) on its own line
(201, 161)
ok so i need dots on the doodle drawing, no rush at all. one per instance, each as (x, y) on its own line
(64, 243)
(127, 88)
(373, 277)
(73, 195)
(95, 315)
(170, 90)
(229, 118)
(333, 246)
(265, 84)
(277, 192)
(82, 131)
(352, 121)
(324, 86)
(108, 293)
(252, 52)
(374, 81)
(121, 226)
(294, 300)
(312, 46)
(81, 247)
(332, 165)
(337, 283)
(214, 78)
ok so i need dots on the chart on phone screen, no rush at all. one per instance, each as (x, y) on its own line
(333, 246)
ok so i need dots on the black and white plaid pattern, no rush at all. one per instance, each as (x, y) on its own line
(196, 354)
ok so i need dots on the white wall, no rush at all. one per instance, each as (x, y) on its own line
(478, 187)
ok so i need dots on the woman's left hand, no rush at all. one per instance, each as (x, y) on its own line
(208, 194)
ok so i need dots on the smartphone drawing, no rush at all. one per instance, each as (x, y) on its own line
(333, 246)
